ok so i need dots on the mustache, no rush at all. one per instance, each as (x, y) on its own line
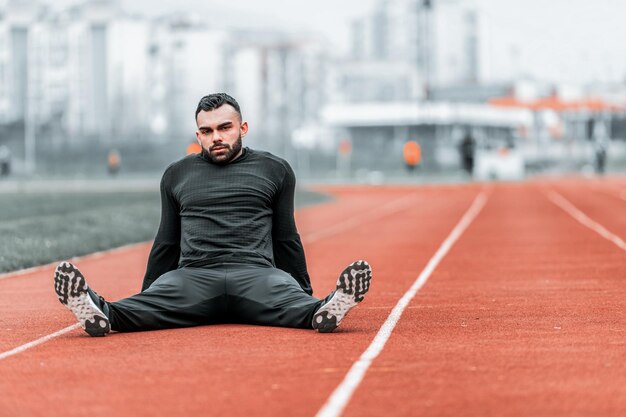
(219, 145)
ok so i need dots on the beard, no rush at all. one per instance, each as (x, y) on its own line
(223, 158)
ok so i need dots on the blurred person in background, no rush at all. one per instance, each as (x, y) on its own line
(227, 249)
(600, 156)
(600, 146)
(5, 161)
(114, 161)
(467, 149)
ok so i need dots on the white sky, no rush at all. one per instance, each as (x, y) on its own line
(574, 41)
(559, 40)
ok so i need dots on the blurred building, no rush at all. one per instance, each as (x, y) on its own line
(93, 74)
(277, 77)
(403, 54)
(406, 48)
(186, 61)
(72, 72)
(458, 51)
(16, 25)
(280, 82)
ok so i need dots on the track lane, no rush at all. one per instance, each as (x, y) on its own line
(237, 370)
(29, 308)
(341, 396)
(525, 317)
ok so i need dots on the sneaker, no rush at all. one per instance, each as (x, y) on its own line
(86, 305)
(352, 285)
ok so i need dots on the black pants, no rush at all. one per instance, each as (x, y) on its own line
(229, 293)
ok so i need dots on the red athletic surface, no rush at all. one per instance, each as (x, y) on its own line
(525, 316)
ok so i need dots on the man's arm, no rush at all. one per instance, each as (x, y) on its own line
(288, 249)
(166, 248)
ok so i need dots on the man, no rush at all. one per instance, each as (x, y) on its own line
(227, 248)
(468, 150)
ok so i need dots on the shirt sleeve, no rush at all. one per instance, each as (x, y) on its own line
(165, 252)
(288, 249)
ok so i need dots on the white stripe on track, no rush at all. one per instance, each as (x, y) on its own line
(387, 209)
(39, 341)
(341, 396)
(570, 209)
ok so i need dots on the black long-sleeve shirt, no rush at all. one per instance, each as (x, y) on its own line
(241, 212)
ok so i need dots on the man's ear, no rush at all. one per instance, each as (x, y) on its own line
(243, 129)
(198, 137)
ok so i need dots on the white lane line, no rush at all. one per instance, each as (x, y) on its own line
(39, 341)
(387, 209)
(570, 209)
(342, 394)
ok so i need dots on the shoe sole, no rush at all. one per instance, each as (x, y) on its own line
(352, 285)
(71, 288)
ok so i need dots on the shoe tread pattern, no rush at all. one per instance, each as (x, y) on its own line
(71, 289)
(352, 285)
(355, 280)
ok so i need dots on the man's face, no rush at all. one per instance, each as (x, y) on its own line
(220, 132)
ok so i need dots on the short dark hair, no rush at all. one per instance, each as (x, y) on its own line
(216, 100)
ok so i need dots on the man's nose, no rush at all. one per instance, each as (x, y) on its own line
(217, 137)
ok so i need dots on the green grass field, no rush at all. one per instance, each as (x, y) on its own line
(40, 228)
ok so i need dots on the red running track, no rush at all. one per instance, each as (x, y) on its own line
(524, 316)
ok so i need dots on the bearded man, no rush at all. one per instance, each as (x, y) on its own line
(227, 249)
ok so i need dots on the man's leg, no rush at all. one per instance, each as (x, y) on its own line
(272, 297)
(268, 296)
(180, 298)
